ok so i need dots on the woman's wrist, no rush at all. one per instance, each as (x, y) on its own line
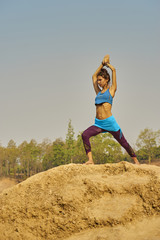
(110, 66)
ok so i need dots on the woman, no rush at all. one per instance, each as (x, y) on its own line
(105, 121)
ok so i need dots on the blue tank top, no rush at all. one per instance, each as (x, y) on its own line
(104, 97)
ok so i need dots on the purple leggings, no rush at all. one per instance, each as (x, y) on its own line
(94, 130)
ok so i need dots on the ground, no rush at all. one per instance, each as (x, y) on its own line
(78, 202)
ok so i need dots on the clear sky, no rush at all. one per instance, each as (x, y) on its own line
(49, 51)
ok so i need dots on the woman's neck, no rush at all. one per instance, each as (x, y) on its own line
(105, 88)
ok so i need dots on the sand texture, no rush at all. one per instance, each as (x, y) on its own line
(84, 202)
(6, 183)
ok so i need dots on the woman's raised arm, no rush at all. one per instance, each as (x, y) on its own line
(97, 71)
(94, 78)
(113, 87)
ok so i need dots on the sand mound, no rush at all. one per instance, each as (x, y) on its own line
(84, 202)
(7, 183)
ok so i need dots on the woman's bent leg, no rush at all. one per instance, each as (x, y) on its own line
(89, 132)
(121, 139)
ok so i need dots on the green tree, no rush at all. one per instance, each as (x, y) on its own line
(46, 149)
(25, 158)
(35, 156)
(58, 152)
(30, 157)
(146, 142)
(70, 143)
(2, 160)
(157, 152)
(12, 155)
(47, 162)
(55, 155)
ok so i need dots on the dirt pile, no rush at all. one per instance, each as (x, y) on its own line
(91, 202)
(7, 183)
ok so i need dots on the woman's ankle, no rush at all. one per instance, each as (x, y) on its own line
(135, 160)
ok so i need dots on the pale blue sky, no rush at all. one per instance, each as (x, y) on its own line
(49, 51)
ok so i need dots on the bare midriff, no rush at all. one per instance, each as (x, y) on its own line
(103, 111)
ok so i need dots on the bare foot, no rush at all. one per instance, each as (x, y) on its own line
(136, 161)
(88, 162)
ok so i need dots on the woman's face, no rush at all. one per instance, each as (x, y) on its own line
(102, 82)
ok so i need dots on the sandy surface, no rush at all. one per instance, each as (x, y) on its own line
(6, 183)
(146, 229)
(79, 202)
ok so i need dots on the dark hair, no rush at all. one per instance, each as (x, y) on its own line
(103, 73)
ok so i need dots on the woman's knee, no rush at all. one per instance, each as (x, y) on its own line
(84, 135)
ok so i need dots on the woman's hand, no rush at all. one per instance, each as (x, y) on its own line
(106, 60)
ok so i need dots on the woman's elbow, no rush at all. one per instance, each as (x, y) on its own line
(94, 78)
(115, 88)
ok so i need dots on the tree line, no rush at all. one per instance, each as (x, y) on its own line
(30, 158)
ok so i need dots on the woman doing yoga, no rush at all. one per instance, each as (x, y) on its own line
(104, 120)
